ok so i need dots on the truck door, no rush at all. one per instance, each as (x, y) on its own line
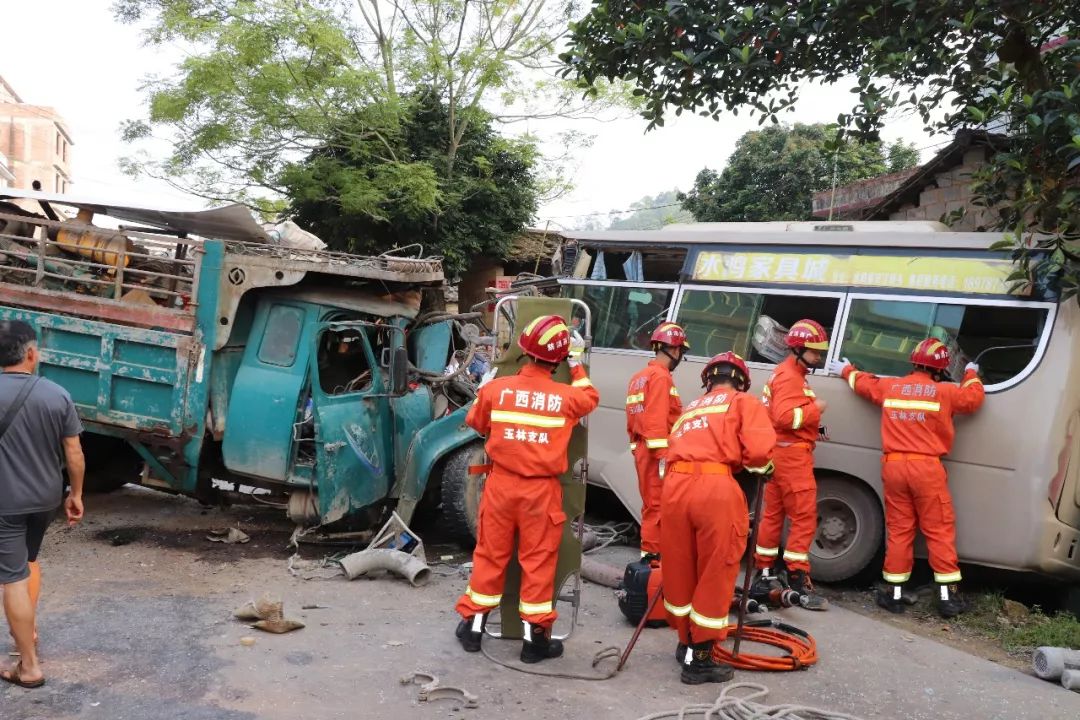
(353, 427)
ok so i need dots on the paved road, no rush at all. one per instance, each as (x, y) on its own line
(142, 630)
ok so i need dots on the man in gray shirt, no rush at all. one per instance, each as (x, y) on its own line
(39, 431)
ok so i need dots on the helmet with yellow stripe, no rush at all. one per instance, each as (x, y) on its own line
(808, 334)
(670, 334)
(547, 339)
(932, 354)
(726, 366)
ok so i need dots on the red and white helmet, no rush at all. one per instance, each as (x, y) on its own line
(547, 338)
(727, 364)
(668, 333)
(807, 334)
(932, 354)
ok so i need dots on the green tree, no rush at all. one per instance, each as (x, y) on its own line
(264, 84)
(651, 213)
(1011, 64)
(774, 172)
(355, 202)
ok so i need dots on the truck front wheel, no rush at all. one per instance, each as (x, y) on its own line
(461, 492)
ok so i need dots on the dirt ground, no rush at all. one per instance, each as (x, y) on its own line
(136, 625)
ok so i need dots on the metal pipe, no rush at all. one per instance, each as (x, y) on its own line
(403, 564)
(758, 499)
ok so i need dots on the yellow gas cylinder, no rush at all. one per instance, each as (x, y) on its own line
(76, 237)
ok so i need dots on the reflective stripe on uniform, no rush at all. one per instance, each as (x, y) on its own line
(766, 391)
(896, 578)
(633, 446)
(808, 392)
(796, 556)
(761, 470)
(520, 418)
(851, 378)
(796, 422)
(766, 552)
(674, 392)
(947, 578)
(896, 404)
(483, 600)
(534, 608)
(581, 382)
(972, 381)
(708, 622)
(698, 412)
(677, 610)
(635, 398)
(654, 443)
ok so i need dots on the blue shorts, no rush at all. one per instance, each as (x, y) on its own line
(20, 542)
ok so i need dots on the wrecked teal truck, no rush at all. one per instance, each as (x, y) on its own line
(205, 355)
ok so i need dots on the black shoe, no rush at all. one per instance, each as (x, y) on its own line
(650, 559)
(538, 645)
(765, 584)
(799, 581)
(702, 668)
(950, 602)
(680, 653)
(468, 635)
(891, 597)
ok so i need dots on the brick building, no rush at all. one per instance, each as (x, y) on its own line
(929, 192)
(35, 142)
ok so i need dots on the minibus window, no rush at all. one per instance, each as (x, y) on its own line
(623, 317)
(881, 334)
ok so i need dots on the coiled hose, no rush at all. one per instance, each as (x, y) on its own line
(800, 647)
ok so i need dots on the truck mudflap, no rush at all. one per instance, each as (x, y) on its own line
(430, 445)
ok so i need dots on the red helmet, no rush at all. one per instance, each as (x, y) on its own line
(931, 353)
(807, 334)
(668, 333)
(547, 339)
(727, 364)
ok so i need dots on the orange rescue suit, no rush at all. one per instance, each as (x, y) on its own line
(652, 406)
(916, 430)
(527, 419)
(703, 511)
(793, 490)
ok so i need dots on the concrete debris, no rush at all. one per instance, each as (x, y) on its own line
(1016, 613)
(232, 536)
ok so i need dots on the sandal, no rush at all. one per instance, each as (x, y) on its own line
(14, 676)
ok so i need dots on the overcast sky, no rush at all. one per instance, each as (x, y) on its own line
(76, 58)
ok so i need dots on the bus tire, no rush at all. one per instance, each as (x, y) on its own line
(110, 464)
(851, 529)
(461, 493)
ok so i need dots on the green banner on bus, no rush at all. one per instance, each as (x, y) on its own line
(980, 276)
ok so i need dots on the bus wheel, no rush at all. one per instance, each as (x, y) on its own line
(850, 532)
(461, 492)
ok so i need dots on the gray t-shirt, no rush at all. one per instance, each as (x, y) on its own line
(32, 451)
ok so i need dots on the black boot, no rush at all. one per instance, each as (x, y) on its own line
(765, 583)
(470, 630)
(651, 559)
(700, 667)
(680, 653)
(891, 597)
(950, 602)
(799, 581)
(538, 645)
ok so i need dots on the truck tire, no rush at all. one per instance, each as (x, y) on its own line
(851, 529)
(110, 463)
(461, 493)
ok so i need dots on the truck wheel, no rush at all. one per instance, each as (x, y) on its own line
(110, 463)
(850, 532)
(461, 492)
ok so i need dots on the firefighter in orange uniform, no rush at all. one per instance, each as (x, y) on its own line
(527, 419)
(652, 406)
(916, 431)
(703, 511)
(796, 415)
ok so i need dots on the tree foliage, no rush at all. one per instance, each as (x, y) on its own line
(264, 84)
(651, 213)
(1009, 64)
(774, 172)
(350, 196)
